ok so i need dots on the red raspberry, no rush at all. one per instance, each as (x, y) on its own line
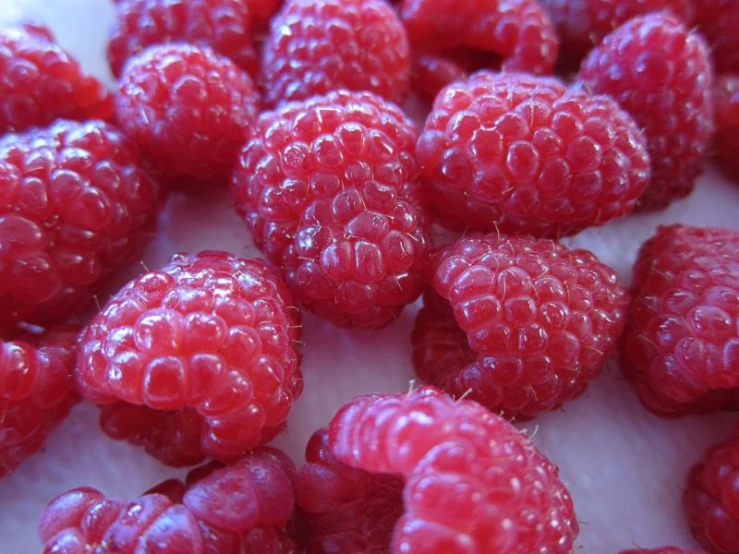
(188, 108)
(473, 483)
(682, 339)
(432, 72)
(197, 359)
(719, 21)
(711, 499)
(523, 154)
(726, 141)
(263, 11)
(36, 394)
(74, 207)
(239, 509)
(663, 550)
(518, 31)
(660, 72)
(317, 46)
(522, 325)
(328, 189)
(41, 82)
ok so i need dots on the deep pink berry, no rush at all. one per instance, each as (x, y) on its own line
(195, 360)
(263, 11)
(318, 46)
(328, 189)
(726, 141)
(660, 72)
(682, 338)
(718, 21)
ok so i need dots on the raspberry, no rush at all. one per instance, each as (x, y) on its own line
(663, 550)
(711, 501)
(432, 72)
(522, 325)
(74, 207)
(718, 21)
(263, 11)
(188, 108)
(36, 393)
(473, 483)
(197, 359)
(523, 154)
(317, 46)
(660, 72)
(328, 189)
(239, 509)
(726, 141)
(518, 31)
(41, 82)
(682, 342)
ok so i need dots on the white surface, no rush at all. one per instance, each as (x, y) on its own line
(623, 466)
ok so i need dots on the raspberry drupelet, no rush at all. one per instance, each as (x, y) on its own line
(522, 154)
(328, 189)
(318, 46)
(41, 82)
(188, 108)
(75, 206)
(517, 324)
(195, 360)
(718, 21)
(682, 337)
(472, 482)
(663, 550)
(726, 141)
(660, 72)
(239, 509)
(37, 392)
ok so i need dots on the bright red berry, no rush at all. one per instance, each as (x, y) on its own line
(328, 189)
(188, 108)
(682, 338)
(520, 325)
(195, 360)
(263, 11)
(718, 21)
(74, 207)
(41, 82)
(432, 72)
(522, 154)
(37, 392)
(318, 46)
(660, 72)
(726, 141)
(663, 550)
(473, 483)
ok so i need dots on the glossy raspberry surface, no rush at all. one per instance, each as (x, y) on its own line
(37, 392)
(473, 482)
(41, 82)
(726, 141)
(328, 189)
(75, 206)
(188, 108)
(318, 46)
(522, 154)
(718, 21)
(518, 324)
(660, 72)
(682, 339)
(432, 72)
(195, 360)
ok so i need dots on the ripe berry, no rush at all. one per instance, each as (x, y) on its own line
(195, 360)
(520, 325)
(36, 394)
(660, 72)
(718, 21)
(682, 338)
(328, 189)
(41, 82)
(263, 11)
(318, 46)
(522, 154)
(74, 207)
(432, 72)
(726, 141)
(663, 550)
(188, 108)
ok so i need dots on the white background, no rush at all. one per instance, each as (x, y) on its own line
(624, 467)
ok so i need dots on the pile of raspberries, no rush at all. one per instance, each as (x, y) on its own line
(544, 118)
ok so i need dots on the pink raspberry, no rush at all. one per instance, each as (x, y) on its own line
(726, 141)
(41, 82)
(519, 325)
(318, 46)
(682, 338)
(718, 21)
(663, 550)
(263, 11)
(522, 154)
(239, 509)
(188, 108)
(75, 206)
(37, 392)
(432, 72)
(660, 72)
(328, 189)
(195, 360)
